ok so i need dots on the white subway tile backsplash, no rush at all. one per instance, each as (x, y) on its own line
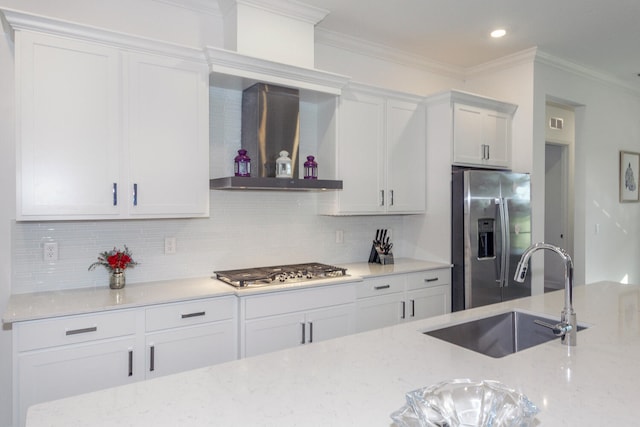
(245, 229)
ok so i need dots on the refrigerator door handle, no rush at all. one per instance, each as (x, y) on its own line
(505, 241)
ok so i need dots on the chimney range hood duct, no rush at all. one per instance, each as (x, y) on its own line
(270, 124)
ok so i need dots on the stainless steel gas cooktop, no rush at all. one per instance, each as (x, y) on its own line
(261, 276)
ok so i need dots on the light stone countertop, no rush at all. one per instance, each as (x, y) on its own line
(359, 380)
(40, 305)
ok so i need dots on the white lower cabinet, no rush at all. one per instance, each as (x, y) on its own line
(190, 335)
(60, 357)
(69, 370)
(389, 300)
(280, 320)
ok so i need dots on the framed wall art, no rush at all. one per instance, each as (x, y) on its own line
(629, 174)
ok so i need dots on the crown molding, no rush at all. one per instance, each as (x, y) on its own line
(379, 51)
(526, 56)
(20, 21)
(234, 70)
(289, 8)
(583, 71)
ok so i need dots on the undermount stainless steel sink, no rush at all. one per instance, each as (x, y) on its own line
(499, 335)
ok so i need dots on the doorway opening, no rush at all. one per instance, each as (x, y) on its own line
(559, 211)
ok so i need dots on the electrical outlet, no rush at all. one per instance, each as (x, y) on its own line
(50, 251)
(169, 245)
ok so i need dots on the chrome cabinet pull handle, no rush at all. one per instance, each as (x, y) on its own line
(130, 363)
(196, 314)
(152, 359)
(403, 310)
(135, 194)
(310, 332)
(81, 331)
(303, 333)
(377, 288)
(381, 197)
(391, 198)
(413, 308)
(114, 190)
(433, 279)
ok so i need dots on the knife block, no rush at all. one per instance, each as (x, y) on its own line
(377, 257)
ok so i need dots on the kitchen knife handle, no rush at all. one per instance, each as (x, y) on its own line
(304, 332)
(130, 363)
(152, 358)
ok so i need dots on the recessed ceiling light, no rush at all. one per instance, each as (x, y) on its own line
(496, 34)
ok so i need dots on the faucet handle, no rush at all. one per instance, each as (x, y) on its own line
(559, 329)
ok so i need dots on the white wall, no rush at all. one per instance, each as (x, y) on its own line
(606, 122)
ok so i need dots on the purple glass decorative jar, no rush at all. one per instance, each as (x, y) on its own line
(310, 168)
(242, 165)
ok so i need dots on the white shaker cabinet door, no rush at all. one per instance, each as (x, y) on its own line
(70, 370)
(330, 322)
(67, 97)
(428, 302)
(273, 333)
(181, 349)
(481, 137)
(406, 148)
(379, 312)
(361, 154)
(167, 137)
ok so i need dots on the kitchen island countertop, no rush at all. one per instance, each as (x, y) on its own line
(361, 379)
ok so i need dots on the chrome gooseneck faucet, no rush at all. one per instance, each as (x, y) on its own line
(568, 326)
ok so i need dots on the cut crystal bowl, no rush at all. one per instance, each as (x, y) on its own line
(466, 403)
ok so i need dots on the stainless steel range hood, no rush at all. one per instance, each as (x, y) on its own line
(270, 124)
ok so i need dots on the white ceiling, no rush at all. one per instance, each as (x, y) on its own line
(600, 34)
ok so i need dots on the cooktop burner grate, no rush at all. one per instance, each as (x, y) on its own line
(261, 276)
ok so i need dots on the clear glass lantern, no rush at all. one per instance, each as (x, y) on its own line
(283, 165)
(242, 163)
(310, 168)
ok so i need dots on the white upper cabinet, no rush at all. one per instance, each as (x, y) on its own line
(167, 129)
(108, 127)
(379, 153)
(478, 128)
(68, 128)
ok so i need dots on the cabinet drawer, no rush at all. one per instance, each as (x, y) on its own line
(428, 278)
(189, 313)
(381, 286)
(74, 329)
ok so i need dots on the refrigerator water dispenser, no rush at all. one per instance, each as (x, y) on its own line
(486, 238)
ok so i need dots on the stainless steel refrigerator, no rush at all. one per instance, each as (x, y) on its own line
(490, 229)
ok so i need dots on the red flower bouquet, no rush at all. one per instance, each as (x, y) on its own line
(115, 260)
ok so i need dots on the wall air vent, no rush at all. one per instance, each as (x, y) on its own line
(556, 123)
